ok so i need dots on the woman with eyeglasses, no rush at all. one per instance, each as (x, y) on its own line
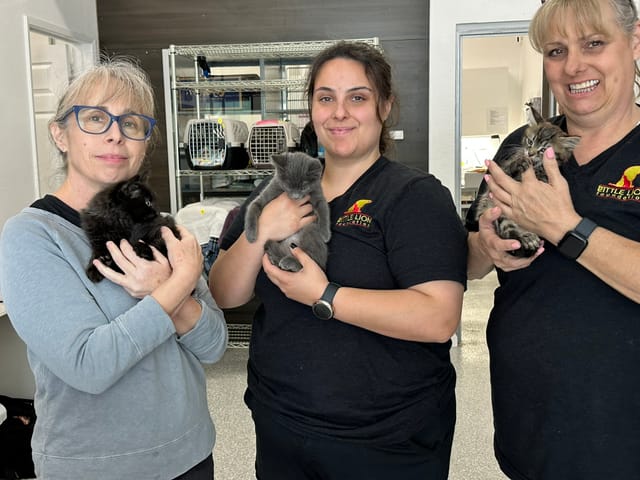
(120, 389)
(564, 332)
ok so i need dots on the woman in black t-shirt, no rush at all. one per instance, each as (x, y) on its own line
(361, 386)
(564, 335)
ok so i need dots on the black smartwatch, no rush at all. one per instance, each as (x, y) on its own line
(323, 308)
(575, 241)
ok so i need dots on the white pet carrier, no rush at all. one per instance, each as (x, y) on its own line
(208, 141)
(267, 137)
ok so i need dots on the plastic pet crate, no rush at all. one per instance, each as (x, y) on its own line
(215, 143)
(267, 137)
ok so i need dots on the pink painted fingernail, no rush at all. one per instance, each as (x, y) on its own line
(549, 153)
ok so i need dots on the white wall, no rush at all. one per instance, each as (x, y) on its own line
(442, 71)
(17, 172)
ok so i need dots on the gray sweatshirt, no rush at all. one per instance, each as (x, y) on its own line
(118, 394)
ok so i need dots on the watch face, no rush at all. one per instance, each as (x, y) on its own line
(322, 310)
(572, 245)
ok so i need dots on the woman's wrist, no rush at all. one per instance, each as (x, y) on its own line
(479, 262)
(186, 315)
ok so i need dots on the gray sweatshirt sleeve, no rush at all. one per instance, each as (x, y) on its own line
(208, 339)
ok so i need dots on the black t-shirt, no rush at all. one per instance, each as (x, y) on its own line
(53, 204)
(565, 347)
(394, 228)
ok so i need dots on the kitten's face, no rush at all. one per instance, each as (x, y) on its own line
(136, 199)
(538, 138)
(297, 174)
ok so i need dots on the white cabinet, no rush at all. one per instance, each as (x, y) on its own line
(211, 91)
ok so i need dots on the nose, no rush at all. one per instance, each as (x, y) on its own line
(575, 62)
(113, 133)
(340, 111)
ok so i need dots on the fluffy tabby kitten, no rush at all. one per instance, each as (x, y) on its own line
(123, 210)
(538, 136)
(297, 174)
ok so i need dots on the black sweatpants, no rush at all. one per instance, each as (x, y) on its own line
(202, 471)
(283, 454)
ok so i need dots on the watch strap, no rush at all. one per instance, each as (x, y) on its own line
(585, 228)
(330, 292)
(575, 241)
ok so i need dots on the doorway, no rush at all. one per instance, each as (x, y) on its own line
(56, 57)
(498, 71)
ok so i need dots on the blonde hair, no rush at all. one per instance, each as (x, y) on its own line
(113, 79)
(552, 15)
(588, 14)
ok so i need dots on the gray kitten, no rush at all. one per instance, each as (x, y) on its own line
(297, 174)
(539, 135)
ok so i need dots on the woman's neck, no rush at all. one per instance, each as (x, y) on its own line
(74, 197)
(340, 174)
(597, 136)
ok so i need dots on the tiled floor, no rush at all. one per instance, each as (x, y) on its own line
(472, 456)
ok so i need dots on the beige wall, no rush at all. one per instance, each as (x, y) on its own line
(499, 74)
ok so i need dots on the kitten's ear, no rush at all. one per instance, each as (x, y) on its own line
(143, 176)
(533, 116)
(279, 159)
(569, 142)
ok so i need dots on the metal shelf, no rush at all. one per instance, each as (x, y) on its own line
(250, 172)
(251, 51)
(242, 85)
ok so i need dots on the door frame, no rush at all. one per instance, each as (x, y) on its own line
(463, 31)
(88, 50)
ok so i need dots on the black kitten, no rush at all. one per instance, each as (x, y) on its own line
(297, 174)
(124, 210)
(539, 135)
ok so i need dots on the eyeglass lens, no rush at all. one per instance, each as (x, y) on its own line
(94, 120)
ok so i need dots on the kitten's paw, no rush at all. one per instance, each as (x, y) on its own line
(529, 244)
(94, 275)
(143, 250)
(251, 223)
(290, 264)
(251, 234)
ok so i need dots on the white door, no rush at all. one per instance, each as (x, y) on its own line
(56, 56)
(50, 74)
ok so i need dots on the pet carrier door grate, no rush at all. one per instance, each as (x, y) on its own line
(271, 136)
(205, 140)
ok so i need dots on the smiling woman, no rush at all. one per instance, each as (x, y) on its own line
(349, 370)
(97, 350)
(552, 360)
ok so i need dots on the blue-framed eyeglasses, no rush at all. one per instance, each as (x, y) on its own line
(96, 120)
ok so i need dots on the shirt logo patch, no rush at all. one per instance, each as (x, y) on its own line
(355, 217)
(624, 189)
